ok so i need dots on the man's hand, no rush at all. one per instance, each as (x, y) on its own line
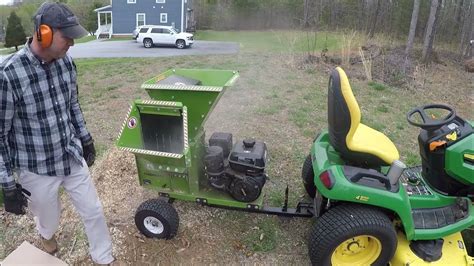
(88, 152)
(15, 200)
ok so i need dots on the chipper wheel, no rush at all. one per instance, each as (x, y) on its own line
(307, 175)
(351, 234)
(157, 218)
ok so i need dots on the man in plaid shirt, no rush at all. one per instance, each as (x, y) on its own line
(43, 136)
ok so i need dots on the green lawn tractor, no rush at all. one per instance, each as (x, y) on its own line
(370, 208)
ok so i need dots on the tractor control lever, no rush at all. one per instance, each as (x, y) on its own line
(395, 171)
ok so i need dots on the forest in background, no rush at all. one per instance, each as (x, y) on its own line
(451, 23)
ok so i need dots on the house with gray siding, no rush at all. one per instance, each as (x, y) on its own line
(121, 17)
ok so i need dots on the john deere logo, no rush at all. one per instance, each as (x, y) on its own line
(362, 198)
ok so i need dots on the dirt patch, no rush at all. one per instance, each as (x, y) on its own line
(200, 238)
(389, 65)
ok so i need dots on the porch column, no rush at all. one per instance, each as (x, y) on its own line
(98, 24)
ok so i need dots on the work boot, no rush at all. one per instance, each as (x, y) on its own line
(50, 246)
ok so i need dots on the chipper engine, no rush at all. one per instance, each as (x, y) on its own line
(236, 169)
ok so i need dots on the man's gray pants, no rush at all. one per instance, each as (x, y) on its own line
(45, 205)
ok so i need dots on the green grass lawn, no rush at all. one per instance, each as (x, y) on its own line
(87, 38)
(8, 50)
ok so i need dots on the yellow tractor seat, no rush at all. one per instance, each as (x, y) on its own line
(357, 143)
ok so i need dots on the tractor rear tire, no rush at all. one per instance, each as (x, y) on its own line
(157, 218)
(307, 174)
(352, 234)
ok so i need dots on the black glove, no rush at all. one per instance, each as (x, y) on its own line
(15, 200)
(88, 152)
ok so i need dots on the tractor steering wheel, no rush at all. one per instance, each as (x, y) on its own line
(428, 122)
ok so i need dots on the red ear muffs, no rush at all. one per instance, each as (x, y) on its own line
(45, 35)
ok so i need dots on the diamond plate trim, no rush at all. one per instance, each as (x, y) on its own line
(185, 128)
(165, 103)
(125, 121)
(181, 87)
(154, 153)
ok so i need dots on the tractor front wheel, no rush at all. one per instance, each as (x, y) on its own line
(351, 234)
(157, 218)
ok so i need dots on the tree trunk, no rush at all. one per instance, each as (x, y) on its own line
(414, 20)
(374, 20)
(458, 11)
(332, 7)
(465, 48)
(306, 14)
(430, 31)
(318, 14)
(361, 16)
(469, 52)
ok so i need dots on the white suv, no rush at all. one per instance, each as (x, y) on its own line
(164, 35)
(138, 29)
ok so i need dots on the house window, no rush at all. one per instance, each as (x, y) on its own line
(160, 1)
(141, 19)
(131, 1)
(164, 18)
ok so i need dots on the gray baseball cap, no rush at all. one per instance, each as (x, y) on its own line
(59, 16)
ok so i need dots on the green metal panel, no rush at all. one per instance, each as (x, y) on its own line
(456, 165)
(325, 158)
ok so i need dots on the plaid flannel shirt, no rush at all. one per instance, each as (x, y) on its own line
(41, 123)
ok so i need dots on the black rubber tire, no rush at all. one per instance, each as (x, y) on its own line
(346, 221)
(147, 43)
(180, 44)
(307, 174)
(161, 210)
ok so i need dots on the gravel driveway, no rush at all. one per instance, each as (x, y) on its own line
(133, 49)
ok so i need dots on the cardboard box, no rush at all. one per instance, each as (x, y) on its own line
(27, 254)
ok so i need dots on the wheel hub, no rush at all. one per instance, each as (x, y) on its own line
(153, 225)
(354, 247)
(359, 250)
